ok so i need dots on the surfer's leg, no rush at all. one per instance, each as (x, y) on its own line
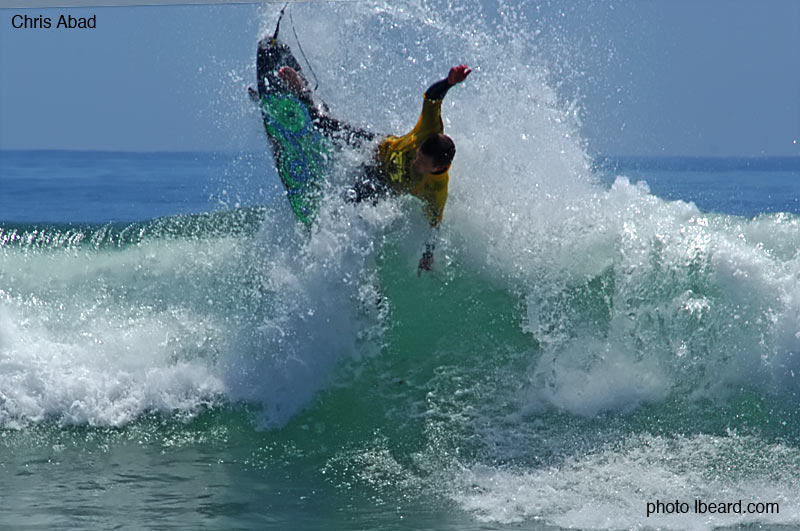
(369, 186)
(271, 56)
(343, 131)
(277, 67)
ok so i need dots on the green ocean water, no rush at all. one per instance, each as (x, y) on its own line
(363, 448)
(438, 428)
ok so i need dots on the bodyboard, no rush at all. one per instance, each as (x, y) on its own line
(301, 151)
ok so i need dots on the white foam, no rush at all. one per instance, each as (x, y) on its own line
(610, 489)
(74, 350)
(678, 293)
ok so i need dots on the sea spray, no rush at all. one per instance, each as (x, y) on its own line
(635, 307)
(323, 306)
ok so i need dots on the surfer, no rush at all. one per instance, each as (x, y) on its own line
(416, 163)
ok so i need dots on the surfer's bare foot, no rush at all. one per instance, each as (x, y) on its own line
(290, 76)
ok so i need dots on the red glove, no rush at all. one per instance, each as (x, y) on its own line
(458, 74)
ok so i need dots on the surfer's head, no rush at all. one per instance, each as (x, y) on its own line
(435, 154)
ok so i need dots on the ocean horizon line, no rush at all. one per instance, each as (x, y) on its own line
(596, 157)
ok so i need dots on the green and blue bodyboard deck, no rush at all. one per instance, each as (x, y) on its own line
(301, 151)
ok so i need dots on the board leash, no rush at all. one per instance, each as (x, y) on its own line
(300, 47)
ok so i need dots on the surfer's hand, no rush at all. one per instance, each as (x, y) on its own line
(292, 79)
(458, 74)
(425, 263)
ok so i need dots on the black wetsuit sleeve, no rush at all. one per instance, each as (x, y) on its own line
(352, 135)
(438, 90)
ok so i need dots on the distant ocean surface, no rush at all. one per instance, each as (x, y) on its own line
(118, 187)
(739, 186)
(69, 187)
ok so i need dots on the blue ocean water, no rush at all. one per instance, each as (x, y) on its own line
(117, 187)
(598, 335)
(114, 187)
(745, 187)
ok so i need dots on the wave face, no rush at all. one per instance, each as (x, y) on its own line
(103, 324)
(582, 349)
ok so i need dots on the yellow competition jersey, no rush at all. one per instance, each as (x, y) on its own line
(396, 156)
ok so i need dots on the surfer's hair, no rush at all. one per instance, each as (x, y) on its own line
(440, 148)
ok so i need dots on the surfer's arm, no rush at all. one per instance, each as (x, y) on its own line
(438, 90)
(430, 120)
(433, 204)
(433, 201)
